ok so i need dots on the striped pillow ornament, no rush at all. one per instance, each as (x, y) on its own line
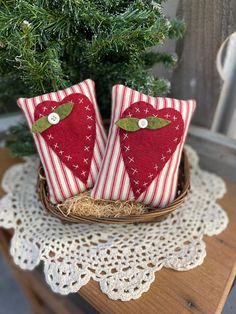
(144, 148)
(69, 137)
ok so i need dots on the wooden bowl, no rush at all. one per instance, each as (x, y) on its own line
(153, 214)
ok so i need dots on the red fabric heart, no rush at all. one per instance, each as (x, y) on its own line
(73, 138)
(145, 152)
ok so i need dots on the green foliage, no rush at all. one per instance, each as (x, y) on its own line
(25, 146)
(48, 45)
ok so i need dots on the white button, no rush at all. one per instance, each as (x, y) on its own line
(53, 118)
(143, 123)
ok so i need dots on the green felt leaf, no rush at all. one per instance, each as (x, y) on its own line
(157, 123)
(42, 124)
(131, 124)
(128, 124)
(64, 110)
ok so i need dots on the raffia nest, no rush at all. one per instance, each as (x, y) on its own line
(84, 205)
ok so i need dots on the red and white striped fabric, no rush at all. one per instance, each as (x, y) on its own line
(113, 181)
(62, 182)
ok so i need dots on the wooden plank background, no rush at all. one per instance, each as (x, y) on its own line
(208, 23)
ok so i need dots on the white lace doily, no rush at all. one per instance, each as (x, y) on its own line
(122, 258)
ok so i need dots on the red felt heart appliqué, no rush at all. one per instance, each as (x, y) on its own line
(73, 138)
(146, 151)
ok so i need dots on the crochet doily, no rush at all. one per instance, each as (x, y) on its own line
(122, 258)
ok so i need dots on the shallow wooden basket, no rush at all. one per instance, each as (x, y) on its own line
(152, 214)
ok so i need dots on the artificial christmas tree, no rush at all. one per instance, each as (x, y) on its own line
(50, 45)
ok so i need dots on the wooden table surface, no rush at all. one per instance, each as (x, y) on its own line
(201, 290)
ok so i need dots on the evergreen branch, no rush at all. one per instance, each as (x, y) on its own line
(132, 41)
(177, 29)
(150, 85)
(169, 60)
